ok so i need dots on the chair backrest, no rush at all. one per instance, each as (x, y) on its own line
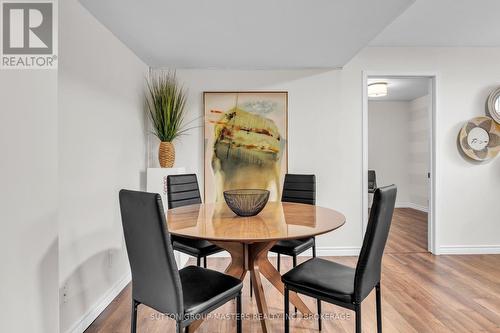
(372, 180)
(182, 190)
(155, 277)
(369, 264)
(299, 189)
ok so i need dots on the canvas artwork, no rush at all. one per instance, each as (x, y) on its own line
(245, 142)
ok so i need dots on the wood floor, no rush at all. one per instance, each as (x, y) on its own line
(420, 293)
(408, 232)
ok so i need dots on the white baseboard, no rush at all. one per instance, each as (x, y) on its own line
(84, 322)
(409, 205)
(323, 251)
(181, 259)
(337, 251)
(412, 205)
(469, 249)
(417, 207)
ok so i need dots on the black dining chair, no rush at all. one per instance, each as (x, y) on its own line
(184, 294)
(342, 285)
(372, 181)
(183, 190)
(297, 188)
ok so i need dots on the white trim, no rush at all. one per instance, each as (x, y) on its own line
(181, 259)
(432, 233)
(432, 245)
(95, 310)
(323, 251)
(364, 156)
(223, 254)
(409, 205)
(337, 251)
(415, 206)
(412, 206)
(469, 249)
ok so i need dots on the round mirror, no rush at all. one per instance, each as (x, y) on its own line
(494, 105)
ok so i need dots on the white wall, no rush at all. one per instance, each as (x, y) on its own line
(318, 131)
(388, 142)
(466, 212)
(419, 152)
(398, 148)
(102, 149)
(325, 136)
(28, 214)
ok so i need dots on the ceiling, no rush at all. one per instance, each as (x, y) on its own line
(258, 34)
(402, 89)
(287, 34)
(445, 23)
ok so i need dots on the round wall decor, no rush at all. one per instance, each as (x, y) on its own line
(480, 138)
(494, 105)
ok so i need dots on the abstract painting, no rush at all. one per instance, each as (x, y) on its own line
(245, 142)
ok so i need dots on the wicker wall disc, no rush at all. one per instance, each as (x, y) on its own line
(480, 138)
(166, 154)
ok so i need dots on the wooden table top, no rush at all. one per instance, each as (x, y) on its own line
(277, 221)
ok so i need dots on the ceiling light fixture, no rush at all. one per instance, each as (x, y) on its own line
(377, 89)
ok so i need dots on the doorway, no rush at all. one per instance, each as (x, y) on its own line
(398, 148)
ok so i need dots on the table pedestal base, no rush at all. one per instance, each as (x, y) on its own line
(253, 258)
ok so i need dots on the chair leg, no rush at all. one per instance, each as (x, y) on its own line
(379, 308)
(204, 262)
(357, 309)
(238, 314)
(251, 288)
(287, 311)
(318, 302)
(133, 319)
(294, 265)
(198, 261)
(279, 262)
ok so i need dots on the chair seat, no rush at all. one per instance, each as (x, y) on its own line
(323, 278)
(204, 289)
(293, 247)
(194, 247)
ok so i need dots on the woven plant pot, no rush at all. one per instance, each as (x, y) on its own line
(166, 154)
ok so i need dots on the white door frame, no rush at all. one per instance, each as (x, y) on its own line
(432, 245)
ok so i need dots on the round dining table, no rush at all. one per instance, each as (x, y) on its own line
(249, 239)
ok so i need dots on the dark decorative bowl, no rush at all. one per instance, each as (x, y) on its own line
(246, 202)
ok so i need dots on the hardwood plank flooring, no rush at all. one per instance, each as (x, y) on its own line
(420, 293)
(408, 232)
